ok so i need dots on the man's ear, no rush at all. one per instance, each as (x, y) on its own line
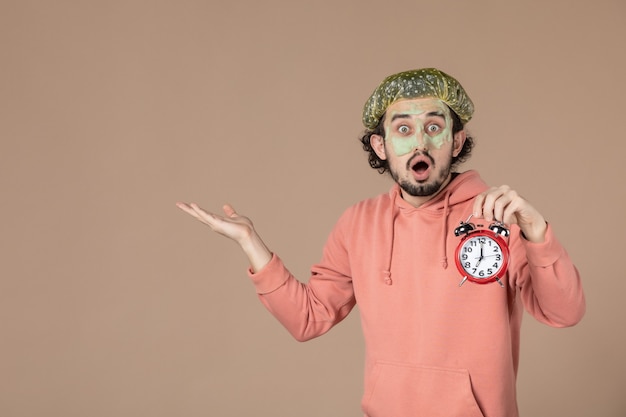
(378, 145)
(458, 142)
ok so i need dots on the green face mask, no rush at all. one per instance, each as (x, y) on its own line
(412, 124)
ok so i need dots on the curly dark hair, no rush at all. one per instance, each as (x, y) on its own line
(383, 166)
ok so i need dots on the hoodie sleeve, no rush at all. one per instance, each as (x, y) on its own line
(548, 281)
(308, 310)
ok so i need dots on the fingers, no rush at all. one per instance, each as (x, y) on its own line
(200, 213)
(187, 209)
(497, 204)
(507, 206)
(196, 211)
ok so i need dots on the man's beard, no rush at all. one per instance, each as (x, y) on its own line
(425, 189)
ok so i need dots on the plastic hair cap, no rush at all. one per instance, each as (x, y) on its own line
(421, 83)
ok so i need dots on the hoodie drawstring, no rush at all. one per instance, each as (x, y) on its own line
(387, 272)
(444, 238)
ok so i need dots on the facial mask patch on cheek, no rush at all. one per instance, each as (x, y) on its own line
(402, 146)
(439, 140)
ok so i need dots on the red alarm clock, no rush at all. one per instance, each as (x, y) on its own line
(482, 255)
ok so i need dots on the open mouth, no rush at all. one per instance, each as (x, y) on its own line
(420, 167)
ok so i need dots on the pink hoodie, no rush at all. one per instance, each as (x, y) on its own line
(432, 348)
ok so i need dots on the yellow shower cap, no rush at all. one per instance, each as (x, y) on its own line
(421, 83)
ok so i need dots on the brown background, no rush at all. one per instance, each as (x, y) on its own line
(115, 303)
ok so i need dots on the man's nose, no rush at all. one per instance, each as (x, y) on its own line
(422, 140)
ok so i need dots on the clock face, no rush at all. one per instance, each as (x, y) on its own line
(481, 257)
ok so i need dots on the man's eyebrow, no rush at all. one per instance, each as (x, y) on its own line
(436, 113)
(400, 116)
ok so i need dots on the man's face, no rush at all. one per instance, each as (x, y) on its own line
(419, 146)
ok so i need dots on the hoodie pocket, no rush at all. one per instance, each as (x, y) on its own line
(403, 390)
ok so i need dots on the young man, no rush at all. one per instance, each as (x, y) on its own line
(433, 348)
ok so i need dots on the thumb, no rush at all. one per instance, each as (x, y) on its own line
(229, 210)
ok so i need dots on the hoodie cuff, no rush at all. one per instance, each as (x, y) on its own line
(271, 277)
(545, 253)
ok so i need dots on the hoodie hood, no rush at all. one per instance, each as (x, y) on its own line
(462, 189)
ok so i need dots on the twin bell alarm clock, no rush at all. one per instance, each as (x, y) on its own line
(482, 255)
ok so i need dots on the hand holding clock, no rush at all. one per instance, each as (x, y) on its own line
(506, 205)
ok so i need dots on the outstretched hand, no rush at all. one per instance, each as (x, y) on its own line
(506, 205)
(236, 227)
(231, 225)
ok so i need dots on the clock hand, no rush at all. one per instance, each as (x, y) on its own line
(481, 255)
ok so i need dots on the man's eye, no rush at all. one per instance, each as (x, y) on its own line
(433, 128)
(404, 129)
